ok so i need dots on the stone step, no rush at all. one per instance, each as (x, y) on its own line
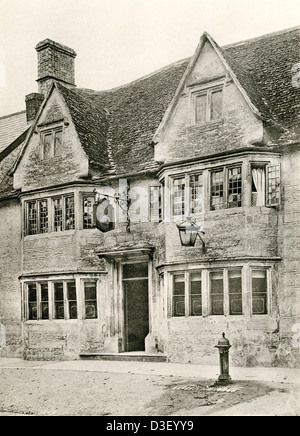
(125, 357)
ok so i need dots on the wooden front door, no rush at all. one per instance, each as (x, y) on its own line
(136, 308)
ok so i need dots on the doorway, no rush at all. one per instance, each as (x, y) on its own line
(136, 305)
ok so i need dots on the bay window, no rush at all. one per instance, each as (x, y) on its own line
(221, 292)
(58, 299)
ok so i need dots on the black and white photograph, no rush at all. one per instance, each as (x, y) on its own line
(149, 210)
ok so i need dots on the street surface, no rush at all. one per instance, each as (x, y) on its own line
(95, 388)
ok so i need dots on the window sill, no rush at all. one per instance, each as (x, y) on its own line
(48, 321)
(50, 234)
(211, 125)
(52, 159)
(94, 320)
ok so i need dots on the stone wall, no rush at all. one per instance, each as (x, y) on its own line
(10, 268)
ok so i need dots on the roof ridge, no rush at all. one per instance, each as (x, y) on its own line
(258, 38)
(13, 114)
(147, 76)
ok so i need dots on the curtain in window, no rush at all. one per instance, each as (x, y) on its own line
(259, 180)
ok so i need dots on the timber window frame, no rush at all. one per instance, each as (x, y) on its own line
(225, 291)
(47, 215)
(60, 299)
(207, 105)
(226, 187)
(187, 293)
(156, 203)
(261, 291)
(65, 301)
(187, 195)
(266, 184)
(91, 310)
(88, 203)
(51, 143)
(36, 217)
(36, 301)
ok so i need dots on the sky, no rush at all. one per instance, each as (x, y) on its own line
(118, 41)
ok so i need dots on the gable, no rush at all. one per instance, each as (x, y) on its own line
(182, 137)
(53, 154)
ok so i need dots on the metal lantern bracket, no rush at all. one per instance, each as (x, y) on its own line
(188, 232)
(203, 242)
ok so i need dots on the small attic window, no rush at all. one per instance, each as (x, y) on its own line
(208, 106)
(51, 143)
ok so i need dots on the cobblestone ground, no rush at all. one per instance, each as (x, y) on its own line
(29, 391)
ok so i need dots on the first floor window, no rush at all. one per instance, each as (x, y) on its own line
(179, 197)
(273, 185)
(43, 216)
(90, 295)
(188, 196)
(69, 213)
(259, 292)
(88, 212)
(196, 194)
(258, 186)
(235, 187)
(156, 214)
(217, 190)
(32, 218)
(226, 188)
(37, 213)
(58, 217)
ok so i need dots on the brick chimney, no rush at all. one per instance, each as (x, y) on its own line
(55, 63)
(33, 103)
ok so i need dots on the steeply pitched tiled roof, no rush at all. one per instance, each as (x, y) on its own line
(91, 123)
(264, 68)
(134, 113)
(115, 127)
(11, 127)
(6, 180)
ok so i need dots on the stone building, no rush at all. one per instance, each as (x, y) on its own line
(93, 186)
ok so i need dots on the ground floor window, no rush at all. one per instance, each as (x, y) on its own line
(38, 301)
(221, 291)
(90, 295)
(187, 294)
(259, 292)
(60, 299)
